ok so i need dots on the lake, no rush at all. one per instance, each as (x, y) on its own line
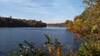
(11, 37)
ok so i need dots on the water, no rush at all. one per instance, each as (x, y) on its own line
(11, 37)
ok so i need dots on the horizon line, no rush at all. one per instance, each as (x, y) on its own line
(48, 21)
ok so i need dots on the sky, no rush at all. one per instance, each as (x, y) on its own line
(49, 11)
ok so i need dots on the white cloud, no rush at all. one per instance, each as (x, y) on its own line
(54, 20)
(51, 10)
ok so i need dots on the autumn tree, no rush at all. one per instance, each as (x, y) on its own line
(87, 27)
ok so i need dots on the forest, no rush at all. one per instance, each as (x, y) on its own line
(13, 22)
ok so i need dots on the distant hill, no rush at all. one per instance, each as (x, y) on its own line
(15, 22)
(56, 25)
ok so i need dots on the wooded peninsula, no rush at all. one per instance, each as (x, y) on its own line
(15, 22)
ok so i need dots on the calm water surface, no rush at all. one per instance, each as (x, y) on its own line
(11, 37)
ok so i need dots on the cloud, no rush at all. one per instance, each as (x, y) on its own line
(41, 9)
(59, 20)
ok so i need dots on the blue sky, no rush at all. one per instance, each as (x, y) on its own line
(49, 11)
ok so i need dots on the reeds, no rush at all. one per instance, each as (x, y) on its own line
(55, 48)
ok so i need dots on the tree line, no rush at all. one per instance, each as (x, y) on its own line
(14, 22)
